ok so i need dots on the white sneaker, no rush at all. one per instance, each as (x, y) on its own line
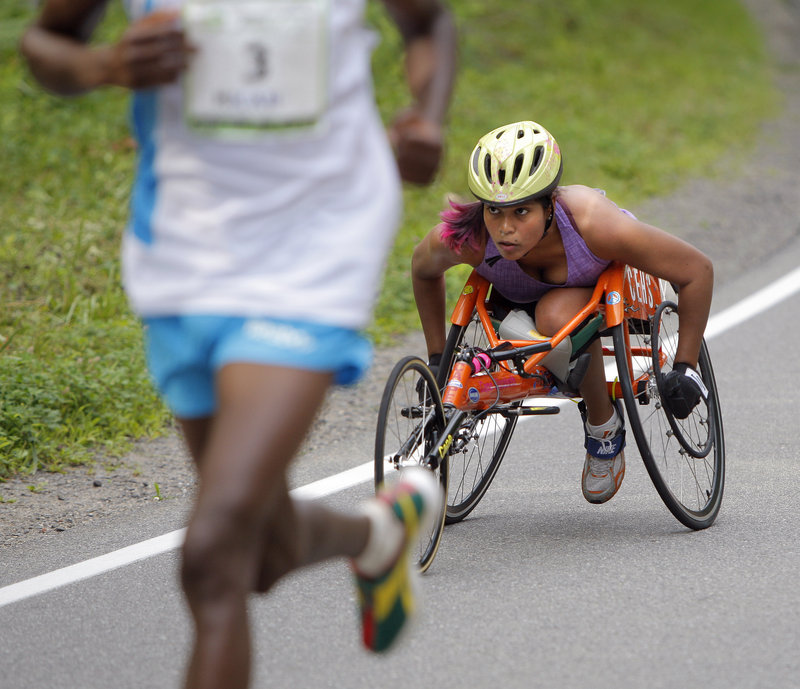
(604, 466)
(602, 477)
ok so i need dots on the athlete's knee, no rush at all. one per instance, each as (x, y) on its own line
(550, 317)
(219, 557)
(556, 308)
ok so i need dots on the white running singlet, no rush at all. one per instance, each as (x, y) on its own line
(292, 216)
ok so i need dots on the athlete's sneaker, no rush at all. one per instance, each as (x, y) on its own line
(387, 601)
(604, 466)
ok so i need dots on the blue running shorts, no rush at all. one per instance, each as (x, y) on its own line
(185, 352)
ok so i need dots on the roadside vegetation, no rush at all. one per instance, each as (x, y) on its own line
(640, 96)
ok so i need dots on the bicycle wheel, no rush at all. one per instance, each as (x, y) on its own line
(480, 442)
(410, 421)
(691, 486)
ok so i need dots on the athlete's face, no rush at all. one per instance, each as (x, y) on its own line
(515, 230)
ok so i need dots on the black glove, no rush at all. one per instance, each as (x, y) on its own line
(683, 389)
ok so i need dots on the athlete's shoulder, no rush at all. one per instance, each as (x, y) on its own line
(581, 203)
(578, 195)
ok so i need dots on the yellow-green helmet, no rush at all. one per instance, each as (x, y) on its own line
(514, 163)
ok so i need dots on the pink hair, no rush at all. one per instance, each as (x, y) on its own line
(462, 223)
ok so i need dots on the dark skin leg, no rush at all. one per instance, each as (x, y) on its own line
(245, 531)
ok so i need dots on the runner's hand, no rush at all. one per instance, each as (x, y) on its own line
(152, 52)
(418, 143)
(683, 389)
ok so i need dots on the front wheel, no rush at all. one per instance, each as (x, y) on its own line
(480, 442)
(689, 482)
(410, 422)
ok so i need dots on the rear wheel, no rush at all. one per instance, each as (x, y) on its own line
(684, 458)
(480, 442)
(410, 421)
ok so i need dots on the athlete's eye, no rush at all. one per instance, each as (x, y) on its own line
(492, 210)
(522, 211)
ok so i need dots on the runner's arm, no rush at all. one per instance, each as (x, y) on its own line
(150, 53)
(429, 37)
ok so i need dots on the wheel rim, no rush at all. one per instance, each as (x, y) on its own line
(407, 429)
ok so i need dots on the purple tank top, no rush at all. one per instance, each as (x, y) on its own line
(583, 267)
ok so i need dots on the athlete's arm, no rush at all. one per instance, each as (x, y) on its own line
(152, 52)
(613, 235)
(429, 37)
(430, 261)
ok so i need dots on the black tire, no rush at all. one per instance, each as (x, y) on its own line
(481, 441)
(410, 421)
(690, 486)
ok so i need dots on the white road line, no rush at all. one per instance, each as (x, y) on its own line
(90, 568)
(160, 544)
(756, 303)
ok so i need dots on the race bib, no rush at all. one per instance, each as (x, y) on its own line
(259, 64)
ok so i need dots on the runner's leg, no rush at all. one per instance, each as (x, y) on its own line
(195, 434)
(245, 531)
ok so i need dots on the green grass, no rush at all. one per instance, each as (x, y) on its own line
(640, 95)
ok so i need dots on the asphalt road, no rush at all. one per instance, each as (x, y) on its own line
(536, 589)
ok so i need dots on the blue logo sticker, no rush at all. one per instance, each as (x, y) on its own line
(612, 298)
(474, 395)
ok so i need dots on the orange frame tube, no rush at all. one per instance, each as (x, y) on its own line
(625, 289)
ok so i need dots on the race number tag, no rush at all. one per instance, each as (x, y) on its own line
(259, 64)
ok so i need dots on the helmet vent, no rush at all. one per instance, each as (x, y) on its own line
(520, 133)
(476, 160)
(487, 166)
(517, 167)
(499, 134)
(537, 158)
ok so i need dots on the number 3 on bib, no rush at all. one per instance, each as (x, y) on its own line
(259, 64)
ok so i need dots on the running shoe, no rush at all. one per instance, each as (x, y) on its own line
(387, 601)
(604, 466)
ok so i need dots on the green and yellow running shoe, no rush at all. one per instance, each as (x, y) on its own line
(387, 601)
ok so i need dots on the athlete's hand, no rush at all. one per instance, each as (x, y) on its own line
(418, 143)
(683, 389)
(152, 52)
